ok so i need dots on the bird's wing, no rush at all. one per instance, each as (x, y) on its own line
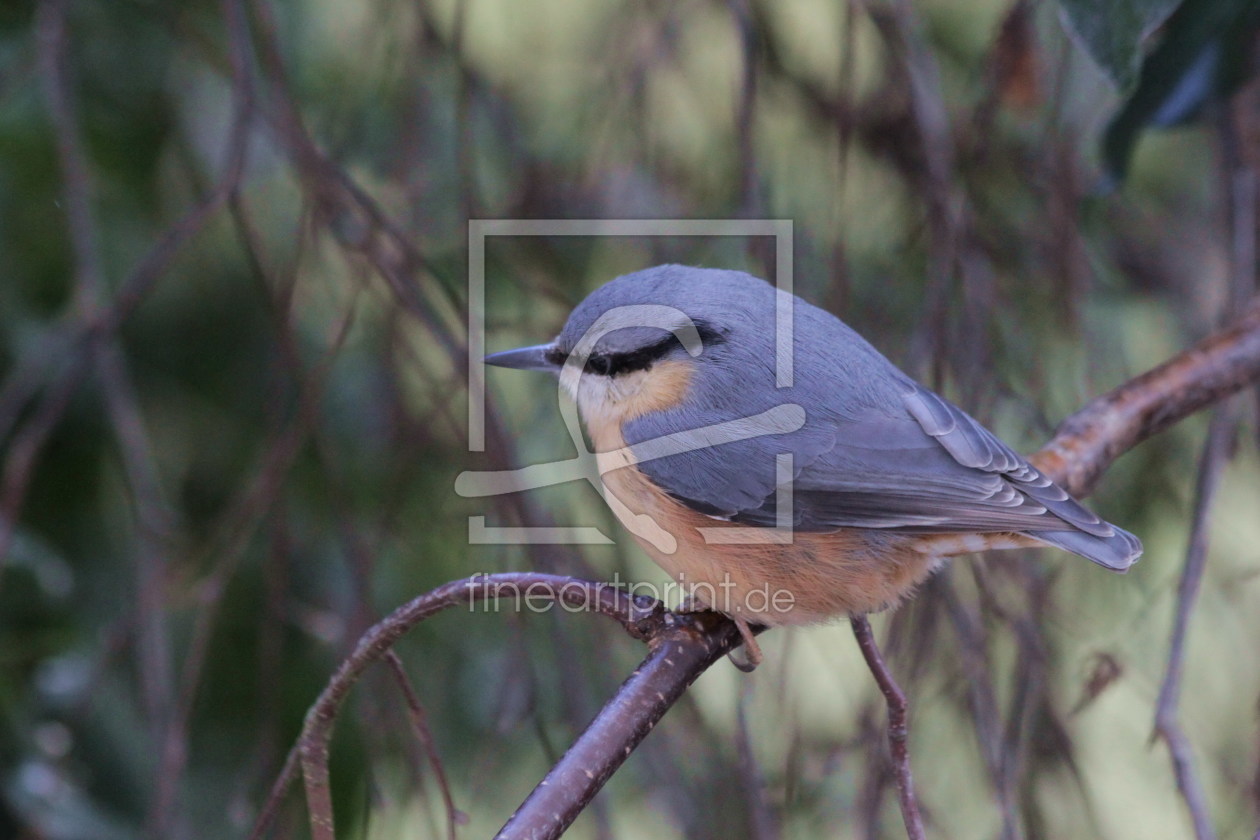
(937, 468)
(923, 467)
(720, 463)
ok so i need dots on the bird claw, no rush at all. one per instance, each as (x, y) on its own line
(690, 605)
(751, 648)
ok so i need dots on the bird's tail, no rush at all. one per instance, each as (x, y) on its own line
(1117, 552)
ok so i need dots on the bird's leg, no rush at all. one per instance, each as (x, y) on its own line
(898, 725)
(691, 604)
(751, 648)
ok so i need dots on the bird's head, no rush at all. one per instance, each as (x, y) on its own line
(637, 343)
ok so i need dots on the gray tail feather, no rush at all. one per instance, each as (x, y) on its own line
(1117, 552)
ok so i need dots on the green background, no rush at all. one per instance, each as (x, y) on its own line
(205, 508)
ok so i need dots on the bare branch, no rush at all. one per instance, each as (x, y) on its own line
(982, 698)
(419, 723)
(898, 725)
(1086, 443)
(638, 615)
(267, 814)
(1167, 727)
(1084, 447)
(762, 822)
(681, 647)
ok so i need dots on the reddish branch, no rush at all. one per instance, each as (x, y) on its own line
(1086, 443)
(420, 728)
(898, 725)
(1083, 448)
(1211, 466)
(643, 618)
(1240, 183)
(681, 647)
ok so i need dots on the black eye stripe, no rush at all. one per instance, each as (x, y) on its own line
(611, 364)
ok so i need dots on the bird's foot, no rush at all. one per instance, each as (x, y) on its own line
(752, 650)
(691, 604)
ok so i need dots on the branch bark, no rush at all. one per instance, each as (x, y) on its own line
(643, 618)
(898, 725)
(1082, 449)
(1087, 443)
(682, 646)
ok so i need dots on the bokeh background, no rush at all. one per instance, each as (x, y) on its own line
(233, 397)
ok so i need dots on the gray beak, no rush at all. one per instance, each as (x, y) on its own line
(525, 358)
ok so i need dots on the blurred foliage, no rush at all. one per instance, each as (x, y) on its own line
(1204, 54)
(1114, 33)
(201, 510)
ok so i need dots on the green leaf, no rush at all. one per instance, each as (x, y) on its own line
(1199, 58)
(1112, 32)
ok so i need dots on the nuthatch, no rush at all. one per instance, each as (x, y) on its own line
(730, 412)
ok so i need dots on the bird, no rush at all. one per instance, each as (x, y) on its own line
(776, 464)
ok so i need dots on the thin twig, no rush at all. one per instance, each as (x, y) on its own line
(71, 157)
(363, 227)
(120, 398)
(153, 528)
(870, 801)
(284, 780)
(1087, 443)
(982, 696)
(681, 647)
(762, 823)
(28, 444)
(264, 489)
(898, 725)
(1029, 696)
(919, 74)
(1167, 727)
(62, 349)
(749, 199)
(419, 722)
(24, 451)
(635, 614)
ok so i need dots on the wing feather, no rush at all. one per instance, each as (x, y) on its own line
(928, 468)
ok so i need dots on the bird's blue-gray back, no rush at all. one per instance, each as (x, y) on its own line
(876, 449)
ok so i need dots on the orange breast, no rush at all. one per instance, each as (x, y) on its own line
(737, 569)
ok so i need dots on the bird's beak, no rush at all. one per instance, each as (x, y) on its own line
(525, 358)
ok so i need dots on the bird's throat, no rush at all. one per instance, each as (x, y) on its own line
(609, 401)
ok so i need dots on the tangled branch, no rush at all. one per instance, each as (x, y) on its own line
(681, 646)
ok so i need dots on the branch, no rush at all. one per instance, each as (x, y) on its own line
(681, 647)
(639, 616)
(1082, 449)
(898, 725)
(1211, 466)
(1086, 443)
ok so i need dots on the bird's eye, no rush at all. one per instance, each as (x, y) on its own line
(599, 364)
